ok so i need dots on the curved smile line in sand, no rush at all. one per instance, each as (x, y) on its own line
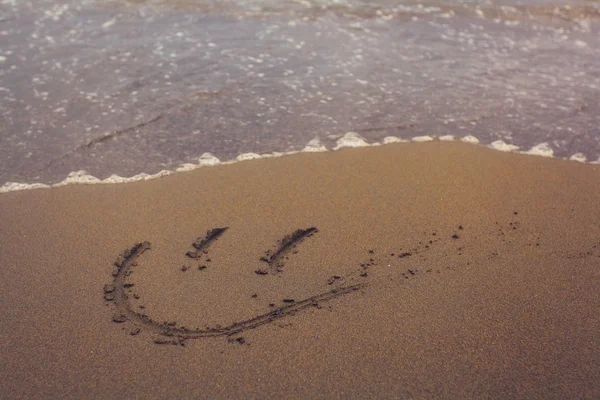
(169, 332)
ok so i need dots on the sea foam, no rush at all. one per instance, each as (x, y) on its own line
(350, 140)
(542, 149)
(502, 146)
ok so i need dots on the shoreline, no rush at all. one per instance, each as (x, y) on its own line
(348, 140)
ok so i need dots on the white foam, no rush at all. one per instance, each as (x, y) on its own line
(351, 139)
(314, 146)
(542, 149)
(502, 146)
(14, 186)
(83, 178)
(139, 177)
(422, 139)
(148, 177)
(393, 139)
(276, 154)
(78, 177)
(279, 154)
(579, 157)
(187, 167)
(248, 156)
(267, 155)
(470, 139)
(207, 159)
(114, 178)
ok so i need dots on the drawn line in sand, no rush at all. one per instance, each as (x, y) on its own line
(168, 332)
(202, 244)
(287, 244)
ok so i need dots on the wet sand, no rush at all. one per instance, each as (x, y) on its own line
(433, 270)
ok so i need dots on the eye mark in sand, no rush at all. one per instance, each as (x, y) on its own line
(286, 245)
(117, 293)
(203, 243)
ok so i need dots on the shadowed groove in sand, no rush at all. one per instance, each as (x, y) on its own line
(172, 334)
(202, 243)
(286, 244)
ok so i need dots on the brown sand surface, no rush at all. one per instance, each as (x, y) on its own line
(507, 308)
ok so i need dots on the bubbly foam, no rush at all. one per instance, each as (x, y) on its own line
(447, 138)
(542, 149)
(470, 139)
(207, 160)
(187, 167)
(14, 186)
(248, 156)
(502, 146)
(578, 157)
(80, 177)
(314, 146)
(349, 140)
(393, 139)
(422, 139)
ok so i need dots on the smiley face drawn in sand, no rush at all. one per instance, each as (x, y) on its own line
(423, 255)
(118, 292)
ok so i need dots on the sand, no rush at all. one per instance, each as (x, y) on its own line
(435, 270)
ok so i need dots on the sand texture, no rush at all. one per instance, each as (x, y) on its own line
(421, 270)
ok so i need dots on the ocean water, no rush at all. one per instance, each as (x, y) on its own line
(130, 87)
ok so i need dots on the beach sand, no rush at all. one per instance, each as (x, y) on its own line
(438, 270)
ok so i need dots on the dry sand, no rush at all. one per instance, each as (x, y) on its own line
(479, 274)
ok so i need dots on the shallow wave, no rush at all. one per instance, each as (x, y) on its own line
(130, 87)
(508, 10)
